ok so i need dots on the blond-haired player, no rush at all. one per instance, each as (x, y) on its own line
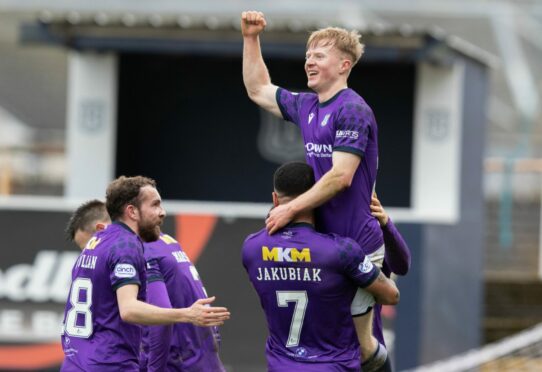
(340, 135)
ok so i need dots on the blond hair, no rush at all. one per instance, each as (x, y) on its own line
(347, 42)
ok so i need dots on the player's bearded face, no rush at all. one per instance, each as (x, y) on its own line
(151, 215)
(149, 228)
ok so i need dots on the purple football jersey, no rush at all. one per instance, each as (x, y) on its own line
(306, 282)
(94, 336)
(343, 123)
(192, 348)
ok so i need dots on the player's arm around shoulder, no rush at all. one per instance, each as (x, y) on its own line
(255, 75)
(344, 168)
(337, 179)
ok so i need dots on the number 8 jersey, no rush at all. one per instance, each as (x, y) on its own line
(94, 337)
(306, 282)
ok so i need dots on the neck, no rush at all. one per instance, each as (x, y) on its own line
(306, 216)
(131, 224)
(331, 91)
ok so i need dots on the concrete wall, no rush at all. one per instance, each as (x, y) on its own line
(445, 286)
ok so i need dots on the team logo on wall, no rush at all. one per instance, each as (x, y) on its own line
(437, 126)
(279, 142)
(92, 115)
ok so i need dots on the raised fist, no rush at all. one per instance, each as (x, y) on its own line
(252, 23)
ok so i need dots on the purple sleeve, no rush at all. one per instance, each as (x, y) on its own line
(353, 125)
(355, 264)
(153, 270)
(289, 104)
(159, 336)
(126, 263)
(397, 254)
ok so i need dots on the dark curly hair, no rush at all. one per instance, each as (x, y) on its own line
(293, 179)
(124, 191)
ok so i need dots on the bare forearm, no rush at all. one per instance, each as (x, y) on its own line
(142, 313)
(255, 74)
(326, 188)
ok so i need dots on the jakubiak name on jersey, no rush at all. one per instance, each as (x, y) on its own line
(302, 274)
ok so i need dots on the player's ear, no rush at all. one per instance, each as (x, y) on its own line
(100, 226)
(346, 65)
(275, 199)
(132, 212)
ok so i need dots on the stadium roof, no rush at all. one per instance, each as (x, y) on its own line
(208, 33)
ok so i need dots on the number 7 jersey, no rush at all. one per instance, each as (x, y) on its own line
(94, 337)
(306, 282)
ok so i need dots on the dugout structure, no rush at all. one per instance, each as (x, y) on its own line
(162, 95)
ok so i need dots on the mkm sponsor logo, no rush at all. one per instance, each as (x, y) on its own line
(279, 254)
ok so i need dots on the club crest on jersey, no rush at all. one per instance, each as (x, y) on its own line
(366, 266)
(324, 122)
(125, 271)
(311, 116)
(279, 254)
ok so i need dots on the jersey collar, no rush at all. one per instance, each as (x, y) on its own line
(332, 99)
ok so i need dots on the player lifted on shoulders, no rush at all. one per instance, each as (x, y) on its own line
(306, 282)
(340, 135)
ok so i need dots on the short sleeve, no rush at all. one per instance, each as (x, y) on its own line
(289, 103)
(154, 273)
(126, 263)
(245, 252)
(353, 126)
(354, 264)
